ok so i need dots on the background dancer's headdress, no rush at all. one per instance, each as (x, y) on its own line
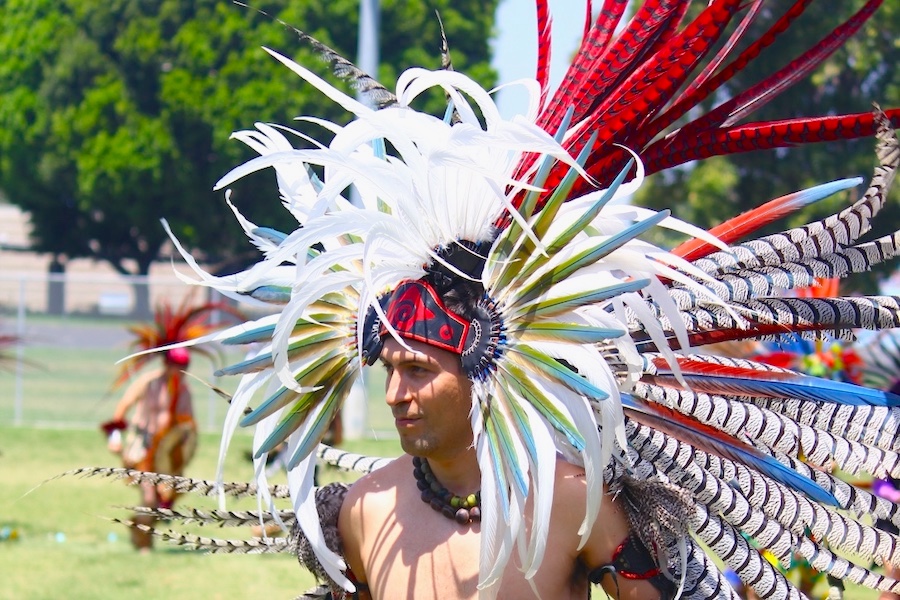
(580, 333)
(172, 325)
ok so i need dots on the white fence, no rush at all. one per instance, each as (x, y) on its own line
(71, 331)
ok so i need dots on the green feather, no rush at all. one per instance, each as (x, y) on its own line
(589, 215)
(499, 473)
(332, 403)
(508, 450)
(301, 347)
(264, 334)
(560, 194)
(551, 367)
(273, 294)
(537, 260)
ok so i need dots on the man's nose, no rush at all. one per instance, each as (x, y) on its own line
(396, 391)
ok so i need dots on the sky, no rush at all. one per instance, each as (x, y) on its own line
(515, 47)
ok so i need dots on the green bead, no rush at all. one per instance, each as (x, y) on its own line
(456, 501)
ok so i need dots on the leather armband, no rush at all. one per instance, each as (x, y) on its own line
(113, 425)
(632, 560)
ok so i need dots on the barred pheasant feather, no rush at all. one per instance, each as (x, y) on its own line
(584, 335)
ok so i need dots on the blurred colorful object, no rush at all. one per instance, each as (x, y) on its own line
(824, 356)
(173, 325)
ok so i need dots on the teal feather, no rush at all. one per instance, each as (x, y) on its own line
(323, 420)
(554, 306)
(264, 334)
(553, 331)
(538, 260)
(266, 359)
(555, 370)
(288, 424)
(529, 202)
(523, 426)
(518, 381)
(560, 194)
(272, 294)
(490, 434)
(269, 234)
(585, 258)
(525, 244)
(589, 215)
(329, 363)
(508, 449)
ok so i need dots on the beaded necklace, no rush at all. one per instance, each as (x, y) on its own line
(462, 510)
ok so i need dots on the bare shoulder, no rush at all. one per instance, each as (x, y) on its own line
(376, 483)
(371, 496)
(387, 475)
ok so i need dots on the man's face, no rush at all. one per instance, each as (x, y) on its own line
(430, 398)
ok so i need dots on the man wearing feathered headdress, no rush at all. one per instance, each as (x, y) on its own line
(160, 435)
(556, 424)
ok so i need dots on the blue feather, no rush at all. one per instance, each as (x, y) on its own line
(274, 294)
(269, 234)
(759, 382)
(723, 445)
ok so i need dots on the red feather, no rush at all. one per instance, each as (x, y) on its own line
(737, 227)
(754, 331)
(652, 83)
(723, 53)
(761, 93)
(592, 46)
(700, 91)
(762, 136)
(544, 27)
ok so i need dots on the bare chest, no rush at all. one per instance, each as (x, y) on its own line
(418, 553)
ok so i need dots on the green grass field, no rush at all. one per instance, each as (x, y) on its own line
(65, 546)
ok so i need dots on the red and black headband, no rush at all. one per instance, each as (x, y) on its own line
(416, 312)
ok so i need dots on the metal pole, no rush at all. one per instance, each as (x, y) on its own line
(354, 415)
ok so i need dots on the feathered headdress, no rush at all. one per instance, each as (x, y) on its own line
(581, 339)
(173, 325)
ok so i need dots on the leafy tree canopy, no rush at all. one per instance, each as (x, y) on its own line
(863, 71)
(115, 114)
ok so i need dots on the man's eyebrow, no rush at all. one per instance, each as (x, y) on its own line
(407, 358)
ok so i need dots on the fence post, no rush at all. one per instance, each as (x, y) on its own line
(20, 356)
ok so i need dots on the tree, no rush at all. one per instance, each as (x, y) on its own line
(115, 114)
(862, 72)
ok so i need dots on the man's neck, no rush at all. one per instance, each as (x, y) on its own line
(459, 473)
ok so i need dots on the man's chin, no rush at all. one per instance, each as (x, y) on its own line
(414, 446)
